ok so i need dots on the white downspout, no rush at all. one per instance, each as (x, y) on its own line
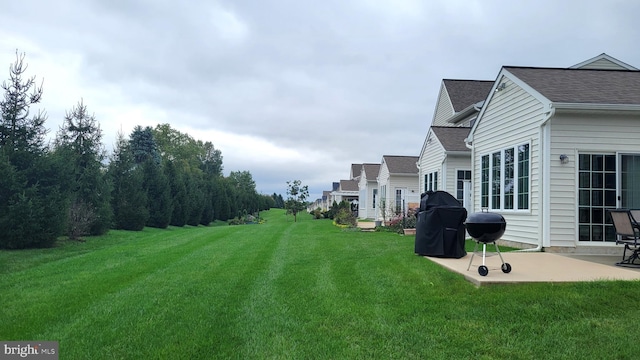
(544, 139)
(443, 167)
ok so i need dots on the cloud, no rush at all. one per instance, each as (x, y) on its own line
(293, 89)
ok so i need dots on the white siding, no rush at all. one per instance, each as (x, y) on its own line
(383, 181)
(363, 199)
(453, 164)
(582, 133)
(408, 182)
(512, 117)
(366, 205)
(393, 182)
(433, 159)
(430, 161)
(444, 108)
(603, 64)
(371, 206)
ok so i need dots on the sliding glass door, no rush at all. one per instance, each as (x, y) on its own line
(605, 181)
(630, 181)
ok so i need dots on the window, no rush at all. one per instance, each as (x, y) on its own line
(435, 181)
(399, 201)
(495, 180)
(484, 182)
(523, 177)
(431, 181)
(509, 185)
(461, 176)
(504, 179)
(375, 195)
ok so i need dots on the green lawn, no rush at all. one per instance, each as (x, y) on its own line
(305, 290)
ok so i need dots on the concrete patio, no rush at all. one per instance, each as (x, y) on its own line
(528, 267)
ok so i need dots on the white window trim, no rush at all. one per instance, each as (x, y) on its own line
(502, 179)
(458, 179)
(431, 179)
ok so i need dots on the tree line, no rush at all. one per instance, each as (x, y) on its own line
(154, 177)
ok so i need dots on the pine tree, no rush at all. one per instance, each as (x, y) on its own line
(158, 191)
(195, 196)
(178, 194)
(79, 142)
(32, 198)
(129, 198)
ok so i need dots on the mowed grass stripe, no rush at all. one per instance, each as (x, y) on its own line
(59, 289)
(286, 290)
(324, 288)
(90, 282)
(184, 307)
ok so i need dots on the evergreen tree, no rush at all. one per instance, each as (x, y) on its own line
(208, 210)
(143, 145)
(278, 201)
(158, 192)
(222, 203)
(231, 198)
(266, 202)
(78, 142)
(195, 196)
(145, 154)
(31, 197)
(129, 198)
(178, 194)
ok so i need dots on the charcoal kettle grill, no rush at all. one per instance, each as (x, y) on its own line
(486, 228)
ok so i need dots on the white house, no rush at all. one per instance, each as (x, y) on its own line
(445, 161)
(368, 191)
(554, 148)
(459, 100)
(398, 185)
(347, 190)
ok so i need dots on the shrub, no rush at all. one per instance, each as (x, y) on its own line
(399, 222)
(317, 214)
(346, 217)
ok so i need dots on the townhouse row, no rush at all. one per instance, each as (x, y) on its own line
(551, 149)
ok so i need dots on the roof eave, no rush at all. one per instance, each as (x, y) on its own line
(595, 107)
(403, 174)
(465, 113)
(458, 152)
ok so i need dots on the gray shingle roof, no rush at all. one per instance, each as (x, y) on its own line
(348, 185)
(356, 169)
(582, 85)
(371, 171)
(463, 93)
(401, 164)
(452, 138)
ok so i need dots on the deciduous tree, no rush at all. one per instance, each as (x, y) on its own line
(297, 198)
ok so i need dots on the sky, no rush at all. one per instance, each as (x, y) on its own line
(293, 89)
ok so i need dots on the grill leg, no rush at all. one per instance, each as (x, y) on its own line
(472, 254)
(498, 251)
(484, 252)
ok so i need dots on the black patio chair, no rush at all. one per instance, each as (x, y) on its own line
(628, 232)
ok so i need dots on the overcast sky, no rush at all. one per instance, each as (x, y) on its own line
(293, 89)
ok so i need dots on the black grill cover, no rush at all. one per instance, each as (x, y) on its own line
(440, 227)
